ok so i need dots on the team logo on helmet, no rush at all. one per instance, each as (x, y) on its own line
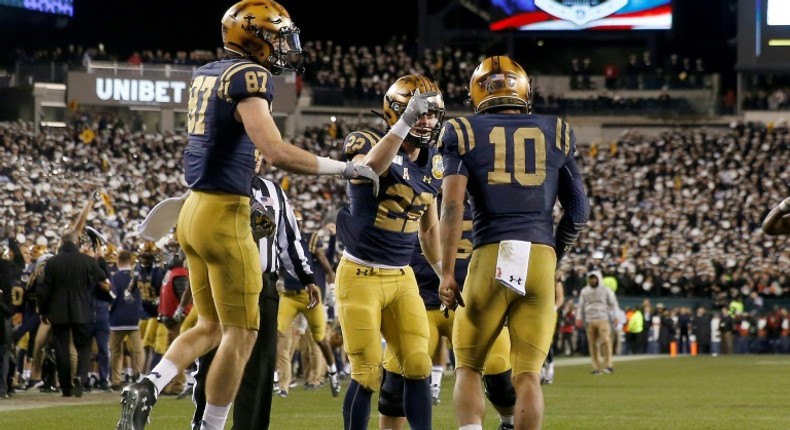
(580, 12)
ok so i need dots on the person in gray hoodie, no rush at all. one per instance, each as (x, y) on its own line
(597, 304)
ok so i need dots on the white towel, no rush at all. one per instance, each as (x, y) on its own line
(161, 218)
(512, 264)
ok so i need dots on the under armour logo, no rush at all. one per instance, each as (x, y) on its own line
(514, 279)
(426, 179)
(362, 272)
(157, 375)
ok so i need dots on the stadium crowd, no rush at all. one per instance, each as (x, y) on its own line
(340, 75)
(676, 215)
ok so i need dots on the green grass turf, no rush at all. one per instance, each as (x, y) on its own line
(733, 392)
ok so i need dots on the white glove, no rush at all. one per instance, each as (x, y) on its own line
(179, 314)
(329, 300)
(128, 297)
(418, 106)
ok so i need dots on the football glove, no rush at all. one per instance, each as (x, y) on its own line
(418, 106)
(360, 171)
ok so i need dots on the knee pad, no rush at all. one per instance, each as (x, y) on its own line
(417, 365)
(391, 395)
(499, 389)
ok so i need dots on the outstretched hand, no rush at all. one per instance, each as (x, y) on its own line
(361, 171)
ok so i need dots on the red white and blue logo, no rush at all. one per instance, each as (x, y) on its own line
(550, 15)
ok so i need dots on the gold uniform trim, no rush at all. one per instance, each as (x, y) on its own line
(225, 77)
(313, 243)
(470, 134)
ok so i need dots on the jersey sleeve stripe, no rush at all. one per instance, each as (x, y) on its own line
(459, 135)
(567, 137)
(558, 134)
(368, 135)
(470, 134)
(225, 79)
(313, 243)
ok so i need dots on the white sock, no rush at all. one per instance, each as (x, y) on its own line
(471, 427)
(436, 375)
(214, 417)
(276, 377)
(507, 419)
(162, 374)
(551, 368)
(332, 368)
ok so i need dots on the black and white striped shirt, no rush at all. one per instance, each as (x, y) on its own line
(285, 246)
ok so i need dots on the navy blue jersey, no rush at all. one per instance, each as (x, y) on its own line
(517, 166)
(382, 229)
(311, 243)
(220, 154)
(427, 279)
(148, 282)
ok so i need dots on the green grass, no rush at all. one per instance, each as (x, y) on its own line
(733, 392)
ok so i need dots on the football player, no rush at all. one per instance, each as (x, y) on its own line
(497, 375)
(515, 167)
(229, 116)
(376, 290)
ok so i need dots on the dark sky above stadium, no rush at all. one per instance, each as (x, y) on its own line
(132, 25)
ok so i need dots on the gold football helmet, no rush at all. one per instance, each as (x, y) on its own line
(147, 252)
(499, 82)
(111, 253)
(37, 251)
(397, 98)
(262, 31)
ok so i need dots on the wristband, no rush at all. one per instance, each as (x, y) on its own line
(327, 166)
(400, 129)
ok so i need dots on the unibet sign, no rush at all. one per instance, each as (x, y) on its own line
(140, 90)
(105, 89)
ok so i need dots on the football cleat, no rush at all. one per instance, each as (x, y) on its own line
(334, 383)
(136, 402)
(435, 390)
(503, 426)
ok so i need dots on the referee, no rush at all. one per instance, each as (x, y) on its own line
(279, 241)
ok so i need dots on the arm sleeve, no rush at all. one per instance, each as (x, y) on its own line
(575, 205)
(289, 245)
(331, 248)
(449, 148)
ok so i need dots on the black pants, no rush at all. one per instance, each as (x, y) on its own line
(80, 333)
(253, 403)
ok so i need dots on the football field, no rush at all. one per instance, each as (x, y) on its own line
(652, 392)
